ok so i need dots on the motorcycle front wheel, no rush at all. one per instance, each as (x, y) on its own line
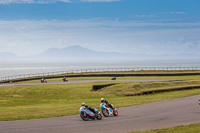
(115, 113)
(85, 118)
(105, 112)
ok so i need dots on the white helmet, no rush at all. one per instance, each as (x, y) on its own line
(82, 104)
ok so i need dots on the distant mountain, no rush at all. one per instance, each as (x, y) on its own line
(72, 52)
(80, 53)
(7, 56)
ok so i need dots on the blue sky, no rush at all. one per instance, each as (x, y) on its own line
(128, 26)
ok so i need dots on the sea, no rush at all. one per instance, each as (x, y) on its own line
(12, 68)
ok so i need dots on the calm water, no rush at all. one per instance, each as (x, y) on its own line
(19, 68)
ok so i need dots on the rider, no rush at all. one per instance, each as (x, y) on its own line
(83, 105)
(106, 102)
(64, 79)
(42, 80)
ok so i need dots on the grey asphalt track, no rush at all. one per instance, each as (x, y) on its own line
(163, 114)
(89, 81)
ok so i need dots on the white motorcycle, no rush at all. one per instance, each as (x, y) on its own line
(107, 111)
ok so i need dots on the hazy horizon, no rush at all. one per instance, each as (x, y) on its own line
(13, 68)
(77, 52)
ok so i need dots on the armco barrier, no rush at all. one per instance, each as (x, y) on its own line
(98, 87)
(164, 90)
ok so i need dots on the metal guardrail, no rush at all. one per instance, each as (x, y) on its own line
(7, 78)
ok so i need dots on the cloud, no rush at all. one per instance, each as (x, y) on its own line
(173, 12)
(89, 23)
(25, 37)
(30, 1)
(142, 16)
(198, 43)
(99, 0)
(49, 1)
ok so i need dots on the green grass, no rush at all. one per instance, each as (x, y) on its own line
(193, 128)
(129, 89)
(42, 101)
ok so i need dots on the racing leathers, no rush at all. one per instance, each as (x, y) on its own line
(106, 102)
(88, 107)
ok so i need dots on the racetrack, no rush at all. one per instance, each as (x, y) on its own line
(161, 114)
(90, 81)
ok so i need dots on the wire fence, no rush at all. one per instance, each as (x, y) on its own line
(6, 78)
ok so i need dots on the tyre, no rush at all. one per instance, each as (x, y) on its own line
(105, 112)
(115, 112)
(99, 116)
(84, 116)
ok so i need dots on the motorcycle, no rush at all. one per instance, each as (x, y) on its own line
(65, 80)
(199, 101)
(86, 114)
(44, 81)
(107, 111)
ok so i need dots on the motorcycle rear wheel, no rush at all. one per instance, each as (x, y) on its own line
(99, 116)
(85, 118)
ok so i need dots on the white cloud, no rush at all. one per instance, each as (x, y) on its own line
(198, 43)
(15, 1)
(142, 16)
(49, 1)
(173, 12)
(31, 1)
(88, 23)
(25, 37)
(99, 0)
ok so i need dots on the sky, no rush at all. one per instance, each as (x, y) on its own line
(29, 27)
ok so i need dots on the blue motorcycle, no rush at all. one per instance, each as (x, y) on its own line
(86, 114)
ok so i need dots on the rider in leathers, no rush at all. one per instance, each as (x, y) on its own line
(106, 102)
(83, 105)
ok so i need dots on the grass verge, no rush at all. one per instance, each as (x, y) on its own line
(131, 89)
(42, 101)
(193, 128)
